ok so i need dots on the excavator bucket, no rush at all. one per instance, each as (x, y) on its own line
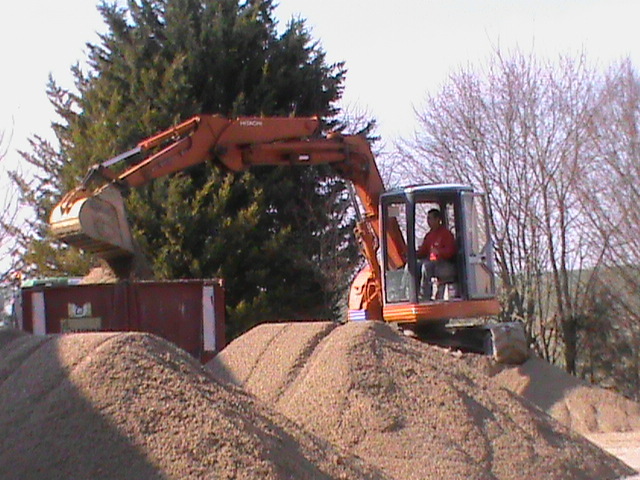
(94, 223)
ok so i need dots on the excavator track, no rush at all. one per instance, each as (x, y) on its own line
(505, 342)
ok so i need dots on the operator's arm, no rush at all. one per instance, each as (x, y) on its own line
(423, 251)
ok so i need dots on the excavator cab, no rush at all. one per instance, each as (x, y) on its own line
(464, 286)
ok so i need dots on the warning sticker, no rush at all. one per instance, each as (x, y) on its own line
(86, 324)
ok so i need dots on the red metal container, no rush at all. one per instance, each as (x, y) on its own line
(189, 313)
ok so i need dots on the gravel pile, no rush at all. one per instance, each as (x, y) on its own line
(413, 410)
(116, 405)
(97, 275)
(578, 405)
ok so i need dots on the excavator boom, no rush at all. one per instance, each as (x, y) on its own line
(93, 218)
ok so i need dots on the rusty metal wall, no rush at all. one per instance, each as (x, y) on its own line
(189, 313)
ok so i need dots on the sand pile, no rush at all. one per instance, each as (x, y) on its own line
(115, 405)
(580, 406)
(101, 274)
(415, 411)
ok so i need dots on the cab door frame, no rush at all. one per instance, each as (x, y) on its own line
(478, 246)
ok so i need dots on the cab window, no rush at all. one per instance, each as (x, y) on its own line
(395, 288)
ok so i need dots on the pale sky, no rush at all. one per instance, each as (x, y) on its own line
(396, 51)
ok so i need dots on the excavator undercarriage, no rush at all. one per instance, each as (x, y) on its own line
(506, 342)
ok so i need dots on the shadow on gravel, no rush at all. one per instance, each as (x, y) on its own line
(48, 429)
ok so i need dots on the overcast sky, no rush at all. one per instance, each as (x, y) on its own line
(395, 51)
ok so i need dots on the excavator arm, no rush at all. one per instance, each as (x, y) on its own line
(94, 218)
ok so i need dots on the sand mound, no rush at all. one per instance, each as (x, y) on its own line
(101, 274)
(269, 357)
(580, 406)
(116, 405)
(414, 410)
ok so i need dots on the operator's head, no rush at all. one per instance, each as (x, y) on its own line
(434, 218)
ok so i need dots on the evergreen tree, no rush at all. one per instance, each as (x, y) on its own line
(268, 232)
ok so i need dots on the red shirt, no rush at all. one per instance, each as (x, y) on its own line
(438, 244)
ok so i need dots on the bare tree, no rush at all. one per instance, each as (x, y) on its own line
(611, 195)
(613, 183)
(9, 258)
(518, 130)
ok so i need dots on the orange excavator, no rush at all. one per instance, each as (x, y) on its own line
(390, 224)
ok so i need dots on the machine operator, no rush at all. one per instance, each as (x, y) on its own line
(436, 255)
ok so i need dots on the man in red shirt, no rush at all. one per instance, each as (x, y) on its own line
(436, 255)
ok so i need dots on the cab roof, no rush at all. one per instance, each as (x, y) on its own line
(433, 190)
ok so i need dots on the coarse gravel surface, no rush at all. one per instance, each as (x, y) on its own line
(415, 411)
(582, 407)
(131, 405)
(317, 401)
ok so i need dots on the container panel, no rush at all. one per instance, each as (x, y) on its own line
(170, 310)
(189, 313)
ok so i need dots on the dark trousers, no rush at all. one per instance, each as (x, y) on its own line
(443, 270)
